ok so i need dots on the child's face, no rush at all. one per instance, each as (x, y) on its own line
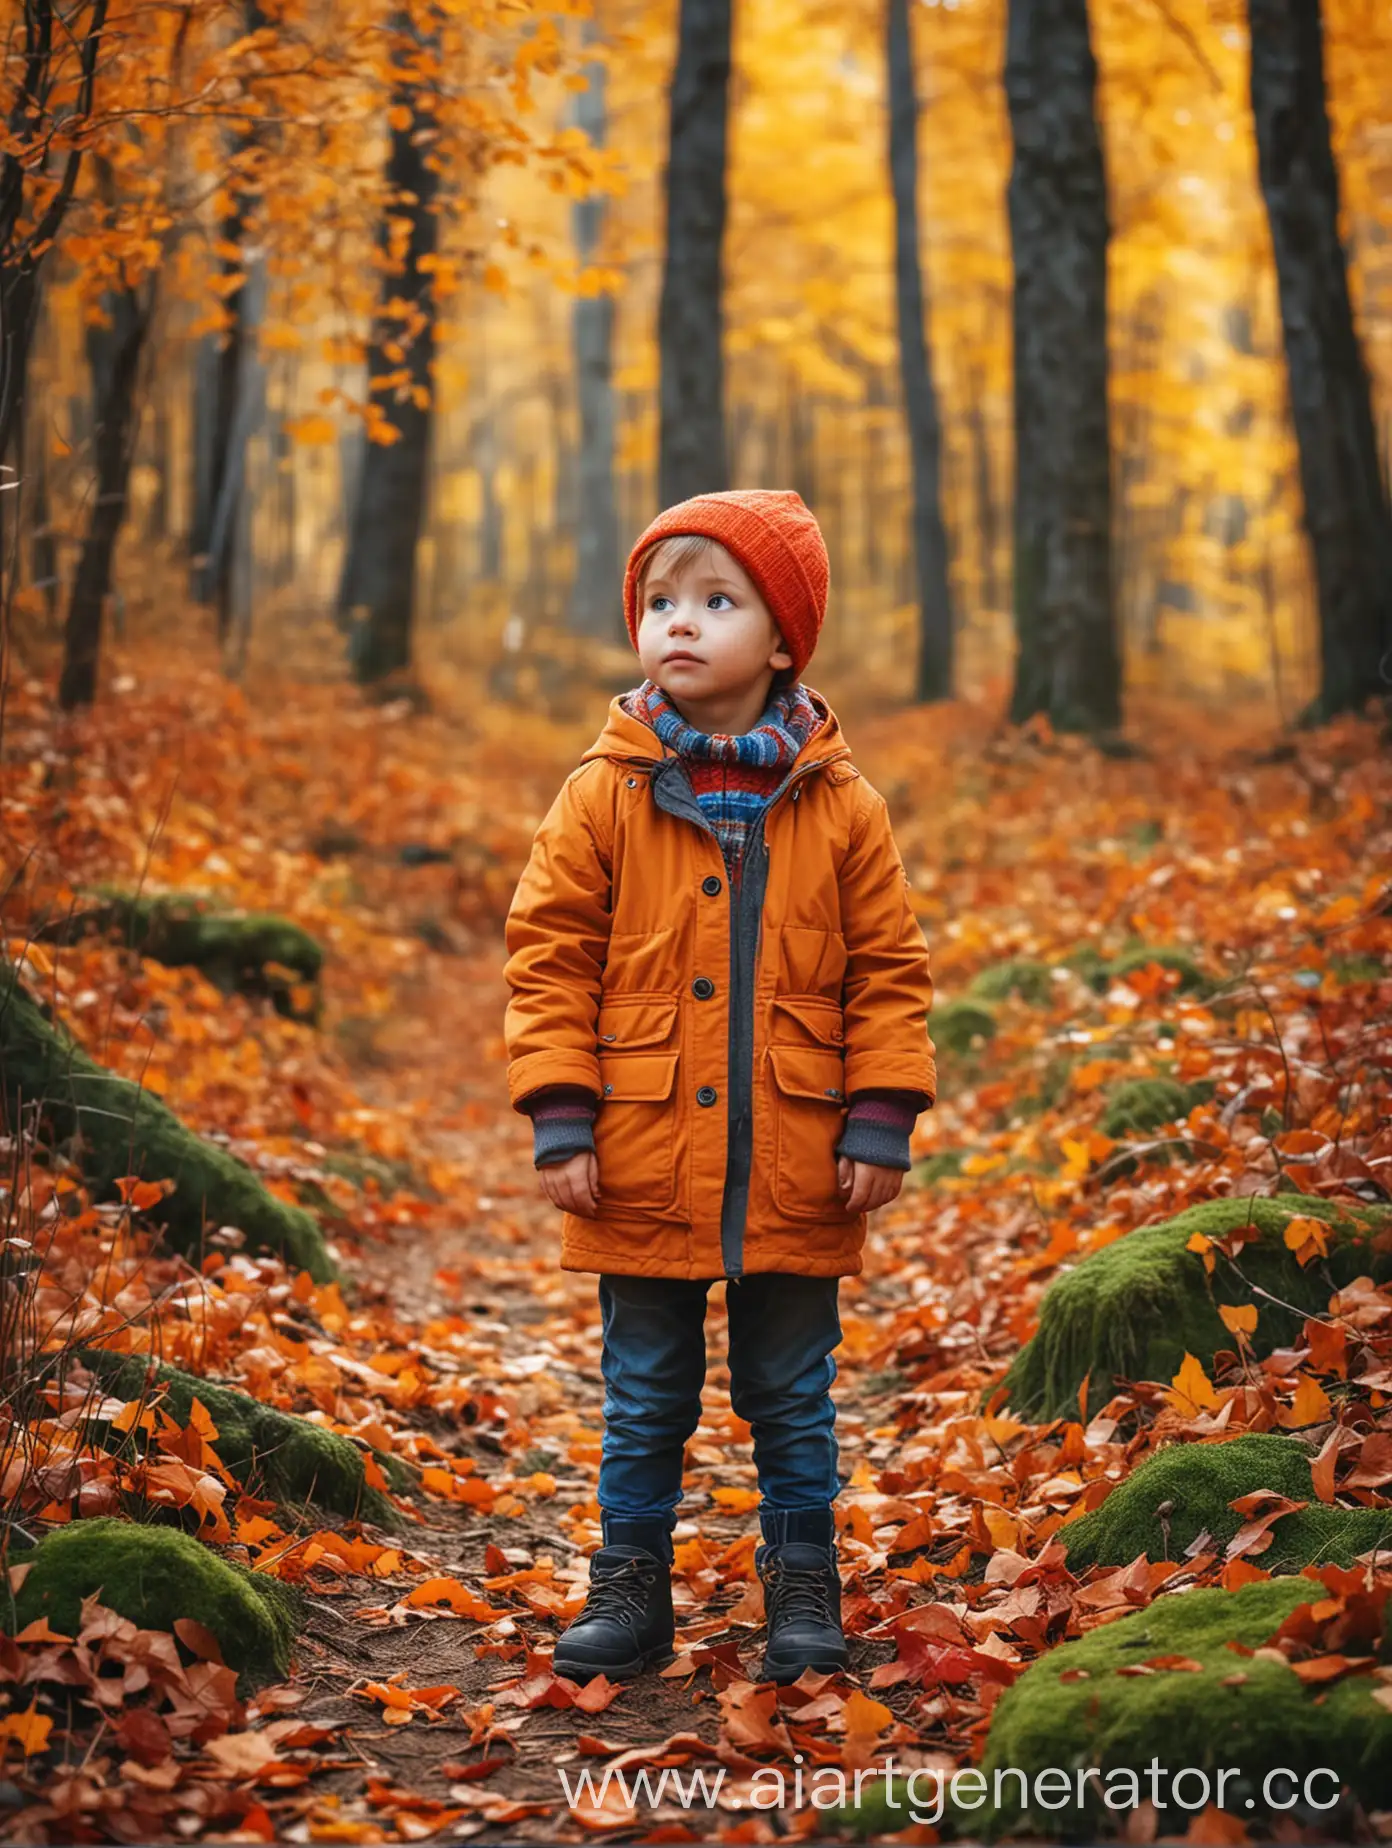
(704, 630)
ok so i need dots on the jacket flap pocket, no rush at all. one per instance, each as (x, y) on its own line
(638, 1020)
(820, 1018)
(637, 1077)
(807, 1071)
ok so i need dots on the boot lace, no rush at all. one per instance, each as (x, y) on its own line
(621, 1592)
(800, 1591)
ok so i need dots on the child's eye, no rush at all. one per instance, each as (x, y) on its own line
(718, 597)
(657, 602)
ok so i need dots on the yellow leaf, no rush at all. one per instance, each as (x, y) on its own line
(1191, 1390)
(1309, 1406)
(1308, 1238)
(1239, 1318)
(866, 1717)
(736, 1501)
(312, 430)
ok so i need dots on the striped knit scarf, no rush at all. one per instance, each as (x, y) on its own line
(732, 777)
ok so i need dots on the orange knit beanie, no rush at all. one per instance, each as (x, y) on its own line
(774, 535)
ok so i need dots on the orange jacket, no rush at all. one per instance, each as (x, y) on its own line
(718, 1117)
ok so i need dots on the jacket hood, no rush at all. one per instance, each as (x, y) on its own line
(629, 740)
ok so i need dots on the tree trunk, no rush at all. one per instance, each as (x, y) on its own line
(692, 455)
(935, 619)
(1347, 513)
(1068, 662)
(219, 458)
(379, 575)
(114, 354)
(595, 606)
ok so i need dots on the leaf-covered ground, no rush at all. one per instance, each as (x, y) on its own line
(1215, 915)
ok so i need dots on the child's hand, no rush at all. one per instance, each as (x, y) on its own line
(866, 1186)
(573, 1185)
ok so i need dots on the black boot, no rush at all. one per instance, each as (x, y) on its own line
(802, 1601)
(627, 1620)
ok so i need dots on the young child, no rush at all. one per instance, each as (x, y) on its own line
(717, 1025)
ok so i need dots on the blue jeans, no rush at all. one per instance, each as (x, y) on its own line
(783, 1330)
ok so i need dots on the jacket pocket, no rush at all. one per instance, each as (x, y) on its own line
(810, 1102)
(634, 1131)
(628, 1021)
(807, 1020)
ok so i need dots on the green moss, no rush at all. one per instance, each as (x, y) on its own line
(1136, 1307)
(1021, 975)
(1143, 1105)
(126, 1130)
(957, 1025)
(1088, 962)
(152, 1576)
(268, 1451)
(1120, 1723)
(1198, 1481)
(1349, 969)
(256, 952)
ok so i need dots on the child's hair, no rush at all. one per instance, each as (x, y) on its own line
(675, 553)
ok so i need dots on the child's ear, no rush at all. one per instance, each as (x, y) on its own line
(782, 654)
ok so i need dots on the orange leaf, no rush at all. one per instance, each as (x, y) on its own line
(29, 1730)
(1239, 1318)
(866, 1718)
(1322, 1469)
(1309, 1406)
(1191, 1390)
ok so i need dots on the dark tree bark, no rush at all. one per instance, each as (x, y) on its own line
(379, 575)
(219, 392)
(114, 354)
(40, 59)
(1347, 513)
(692, 456)
(595, 606)
(935, 617)
(1068, 662)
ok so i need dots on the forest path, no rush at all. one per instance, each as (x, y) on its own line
(533, 1340)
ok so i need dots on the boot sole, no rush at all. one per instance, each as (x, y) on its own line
(786, 1671)
(582, 1672)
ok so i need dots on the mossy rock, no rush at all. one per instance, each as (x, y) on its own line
(269, 1452)
(254, 952)
(1198, 1481)
(958, 1025)
(152, 1576)
(1205, 1721)
(1142, 1105)
(124, 1129)
(1031, 980)
(1087, 961)
(1137, 1306)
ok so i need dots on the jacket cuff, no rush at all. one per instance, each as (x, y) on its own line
(557, 1138)
(562, 1122)
(879, 1125)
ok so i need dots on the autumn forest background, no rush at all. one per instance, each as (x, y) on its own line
(345, 347)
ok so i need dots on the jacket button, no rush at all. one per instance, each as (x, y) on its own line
(706, 1094)
(703, 988)
(710, 885)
